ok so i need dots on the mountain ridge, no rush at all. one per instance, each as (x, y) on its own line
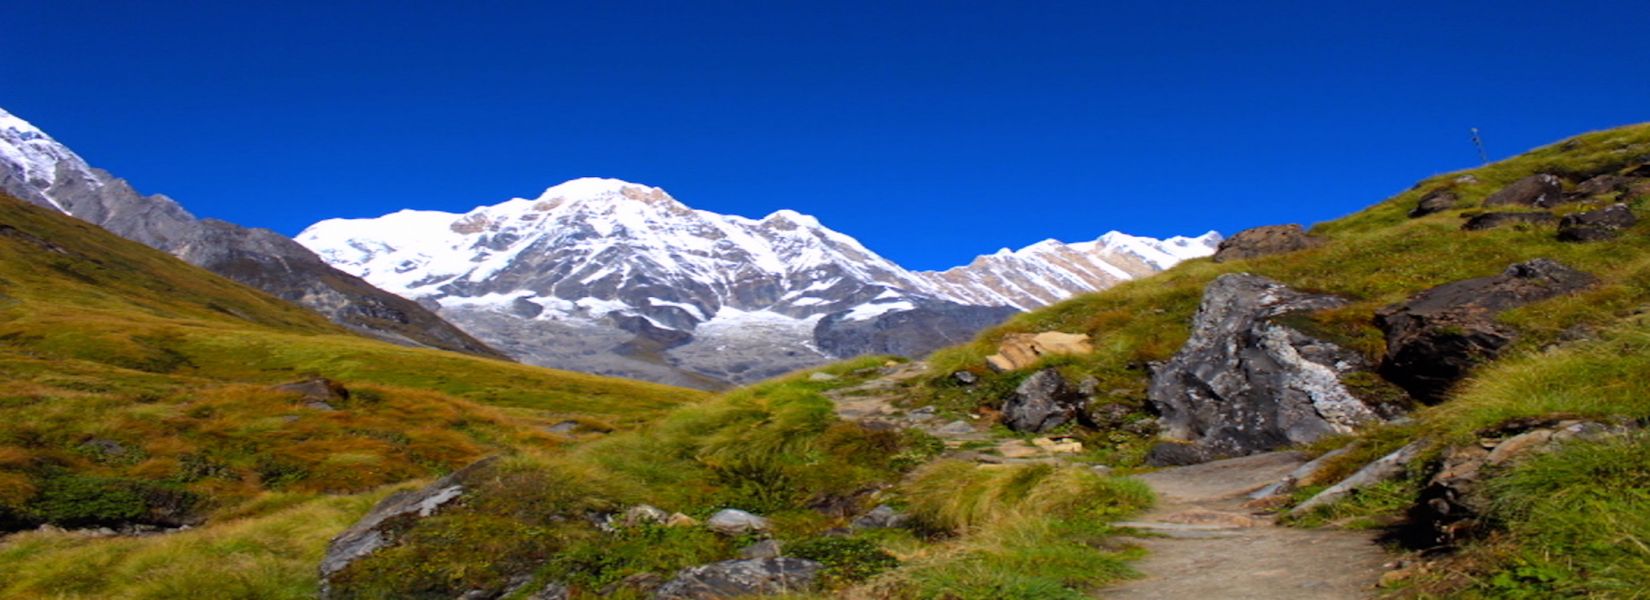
(38, 169)
(594, 267)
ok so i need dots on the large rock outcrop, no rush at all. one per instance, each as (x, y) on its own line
(1245, 382)
(1265, 241)
(1541, 190)
(1452, 505)
(1042, 402)
(738, 578)
(394, 514)
(1434, 338)
(1596, 225)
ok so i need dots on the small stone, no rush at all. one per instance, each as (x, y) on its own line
(821, 376)
(1061, 446)
(881, 517)
(681, 520)
(762, 549)
(1518, 445)
(965, 377)
(731, 521)
(564, 427)
(644, 514)
(955, 428)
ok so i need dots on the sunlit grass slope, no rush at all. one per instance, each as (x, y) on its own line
(1568, 524)
(138, 388)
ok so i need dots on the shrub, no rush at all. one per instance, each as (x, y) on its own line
(846, 559)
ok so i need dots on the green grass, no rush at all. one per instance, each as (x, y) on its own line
(269, 554)
(1023, 531)
(139, 388)
(105, 340)
(1374, 258)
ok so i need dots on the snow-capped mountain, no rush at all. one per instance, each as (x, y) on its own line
(619, 278)
(37, 169)
(1050, 271)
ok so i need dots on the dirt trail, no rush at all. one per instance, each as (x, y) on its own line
(1203, 544)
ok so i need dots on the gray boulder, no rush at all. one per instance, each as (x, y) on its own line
(735, 578)
(881, 517)
(730, 521)
(378, 529)
(1536, 190)
(1437, 336)
(1042, 402)
(1596, 225)
(1246, 383)
(1435, 201)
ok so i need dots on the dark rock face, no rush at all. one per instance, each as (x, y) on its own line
(1245, 382)
(379, 528)
(1042, 402)
(881, 517)
(1596, 225)
(1498, 219)
(1450, 508)
(912, 333)
(1436, 201)
(274, 263)
(1436, 337)
(735, 578)
(1264, 241)
(1536, 190)
(1602, 184)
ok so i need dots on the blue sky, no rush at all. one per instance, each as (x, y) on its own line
(932, 131)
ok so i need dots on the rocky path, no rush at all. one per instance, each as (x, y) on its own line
(1201, 542)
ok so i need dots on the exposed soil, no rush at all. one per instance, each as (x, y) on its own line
(1202, 544)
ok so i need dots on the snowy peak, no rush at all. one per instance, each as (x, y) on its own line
(1050, 271)
(34, 162)
(590, 248)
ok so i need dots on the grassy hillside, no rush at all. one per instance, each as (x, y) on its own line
(104, 352)
(776, 449)
(140, 389)
(1581, 355)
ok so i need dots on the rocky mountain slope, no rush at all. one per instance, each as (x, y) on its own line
(618, 278)
(36, 168)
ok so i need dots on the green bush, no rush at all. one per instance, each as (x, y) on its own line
(71, 500)
(846, 559)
